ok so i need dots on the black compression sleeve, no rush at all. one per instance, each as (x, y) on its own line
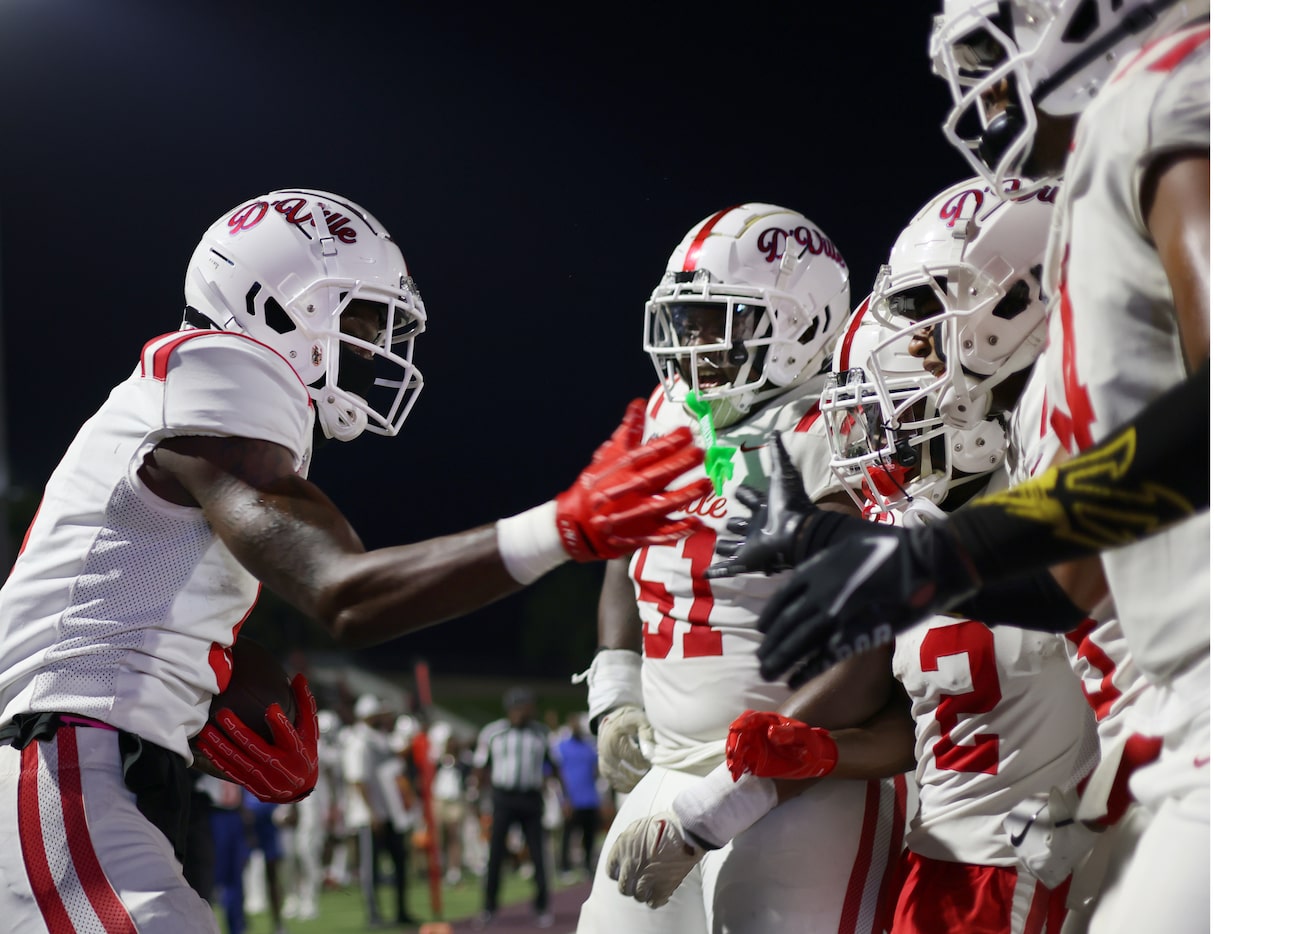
(1148, 476)
(1031, 602)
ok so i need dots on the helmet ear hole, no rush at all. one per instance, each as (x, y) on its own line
(275, 316)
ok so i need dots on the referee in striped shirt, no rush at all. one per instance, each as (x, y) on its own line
(515, 755)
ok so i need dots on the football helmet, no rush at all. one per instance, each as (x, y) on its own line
(284, 268)
(966, 270)
(887, 442)
(1005, 59)
(749, 305)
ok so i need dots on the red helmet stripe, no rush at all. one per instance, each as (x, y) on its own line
(812, 416)
(692, 254)
(846, 355)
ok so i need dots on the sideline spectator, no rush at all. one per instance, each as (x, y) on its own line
(576, 754)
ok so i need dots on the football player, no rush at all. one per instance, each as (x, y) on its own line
(1128, 275)
(1128, 267)
(184, 493)
(740, 329)
(954, 326)
(1140, 438)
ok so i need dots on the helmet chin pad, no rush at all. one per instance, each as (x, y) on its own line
(337, 419)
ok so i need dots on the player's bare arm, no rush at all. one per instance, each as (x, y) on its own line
(616, 704)
(618, 624)
(866, 714)
(1176, 204)
(287, 532)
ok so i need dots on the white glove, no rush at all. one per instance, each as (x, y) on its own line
(651, 857)
(624, 744)
(1047, 837)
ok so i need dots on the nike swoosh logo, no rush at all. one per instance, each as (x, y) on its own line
(1200, 761)
(1017, 838)
(746, 447)
(883, 548)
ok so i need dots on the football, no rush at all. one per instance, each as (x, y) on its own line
(257, 682)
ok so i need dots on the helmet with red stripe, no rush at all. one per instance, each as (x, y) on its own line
(319, 280)
(1006, 61)
(887, 441)
(963, 280)
(749, 305)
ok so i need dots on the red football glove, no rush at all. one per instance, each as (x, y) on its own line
(283, 771)
(774, 746)
(618, 504)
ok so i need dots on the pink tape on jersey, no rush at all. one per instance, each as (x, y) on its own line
(692, 254)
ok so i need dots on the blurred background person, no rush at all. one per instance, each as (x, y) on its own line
(306, 831)
(581, 797)
(265, 871)
(514, 756)
(452, 773)
(365, 757)
(229, 833)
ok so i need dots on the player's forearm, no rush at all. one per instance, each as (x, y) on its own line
(389, 592)
(846, 695)
(1145, 478)
(294, 540)
(882, 748)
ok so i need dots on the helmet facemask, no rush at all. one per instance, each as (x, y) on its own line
(1008, 61)
(992, 120)
(727, 342)
(888, 444)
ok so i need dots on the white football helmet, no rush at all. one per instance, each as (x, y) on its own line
(283, 268)
(887, 442)
(967, 268)
(749, 306)
(1051, 55)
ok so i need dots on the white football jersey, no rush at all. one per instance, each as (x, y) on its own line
(121, 605)
(998, 718)
(1113, 339)
(1096, 649)
(700, 670)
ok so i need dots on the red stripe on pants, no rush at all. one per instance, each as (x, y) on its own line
(103, 898)
(33, 845)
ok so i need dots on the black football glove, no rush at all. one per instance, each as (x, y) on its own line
(769, 540)
(860, 592)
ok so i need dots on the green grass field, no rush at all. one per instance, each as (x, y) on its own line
(341, 911)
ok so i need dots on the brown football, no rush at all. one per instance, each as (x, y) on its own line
(257, 682)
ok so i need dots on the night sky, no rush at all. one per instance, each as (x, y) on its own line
(535, 167)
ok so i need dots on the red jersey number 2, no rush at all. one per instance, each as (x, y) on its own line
(699, 639)
(974, 640)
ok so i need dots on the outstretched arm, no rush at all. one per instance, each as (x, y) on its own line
(285, 531)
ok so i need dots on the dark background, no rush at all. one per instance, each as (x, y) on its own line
(536, 167)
